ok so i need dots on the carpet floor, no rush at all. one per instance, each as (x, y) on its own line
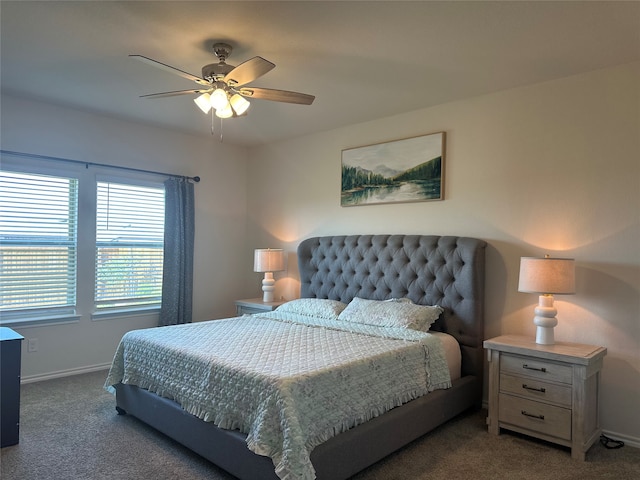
(69, 430)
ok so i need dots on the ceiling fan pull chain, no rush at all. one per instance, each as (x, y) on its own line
(220, 130)
(212, 122)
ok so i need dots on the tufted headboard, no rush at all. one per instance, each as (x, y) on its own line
(428, 269)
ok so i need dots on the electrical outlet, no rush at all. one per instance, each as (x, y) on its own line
(32, 345)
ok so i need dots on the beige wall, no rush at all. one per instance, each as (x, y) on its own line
(550, 168)
(50, 130)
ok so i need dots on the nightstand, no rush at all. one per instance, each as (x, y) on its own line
(255, 305)
(545, 391)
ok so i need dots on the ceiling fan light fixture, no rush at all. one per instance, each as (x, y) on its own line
(203, 102)
(239, 104)
(225, 88)
(224, 112)
(219, 99)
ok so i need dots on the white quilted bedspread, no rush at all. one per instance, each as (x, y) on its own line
(288, 383)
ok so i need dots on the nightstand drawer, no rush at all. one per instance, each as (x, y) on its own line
(540, 369)
(535, 389)
(535, 416)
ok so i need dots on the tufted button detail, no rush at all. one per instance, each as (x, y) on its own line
(428, 269)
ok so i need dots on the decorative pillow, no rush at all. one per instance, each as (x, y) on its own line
(316, 307)
(391, 313)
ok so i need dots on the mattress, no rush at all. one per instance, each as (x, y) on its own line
(290, 383)
(452, 354)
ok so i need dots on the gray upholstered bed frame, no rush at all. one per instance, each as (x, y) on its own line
(448, 271)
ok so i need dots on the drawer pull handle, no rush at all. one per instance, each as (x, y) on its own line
(527, 367)
(527, 414)
(527, 387)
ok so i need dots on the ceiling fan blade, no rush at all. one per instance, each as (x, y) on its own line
(173, 93)
(169, 68)
(277, 95)
(248, 71)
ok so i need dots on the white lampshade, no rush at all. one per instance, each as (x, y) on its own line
(546, 276)
(203, 102)
(268, 260)
(239, 104)
(219, 99)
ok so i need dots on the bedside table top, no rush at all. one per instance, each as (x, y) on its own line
(255, 302)
(576, 352)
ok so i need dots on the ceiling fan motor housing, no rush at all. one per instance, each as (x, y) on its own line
(216, 71)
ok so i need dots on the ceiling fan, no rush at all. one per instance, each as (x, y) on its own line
(223, 87)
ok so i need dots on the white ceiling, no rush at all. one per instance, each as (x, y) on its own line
(362, 60)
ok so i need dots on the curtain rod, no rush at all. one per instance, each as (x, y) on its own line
(87, 164)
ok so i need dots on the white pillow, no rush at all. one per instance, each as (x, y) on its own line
(391, 313)
(315, 307)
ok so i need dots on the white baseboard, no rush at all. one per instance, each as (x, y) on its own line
(64, 373)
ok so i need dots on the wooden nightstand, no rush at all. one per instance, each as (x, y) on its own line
(546, 391)
(255, 305)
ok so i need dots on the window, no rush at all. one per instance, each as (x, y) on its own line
(75, 243)
(38, 242)
(129, 245)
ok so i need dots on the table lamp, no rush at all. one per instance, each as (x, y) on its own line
(268, 260)
(546, 276)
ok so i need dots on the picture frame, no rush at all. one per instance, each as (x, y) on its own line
(397, 171)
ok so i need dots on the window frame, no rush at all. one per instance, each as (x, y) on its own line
(87, 176)
(106, 312)
(40, 244)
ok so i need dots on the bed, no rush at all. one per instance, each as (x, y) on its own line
(428, 271)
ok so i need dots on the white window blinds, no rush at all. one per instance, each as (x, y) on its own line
(38, 241)
(129, 245)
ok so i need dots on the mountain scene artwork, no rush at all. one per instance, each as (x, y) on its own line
(407, 170)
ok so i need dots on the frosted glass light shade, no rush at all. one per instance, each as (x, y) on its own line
(224, 112)
(203, 102)
(239, 104)
(219, 99)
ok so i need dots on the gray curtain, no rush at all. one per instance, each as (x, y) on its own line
(177, 275)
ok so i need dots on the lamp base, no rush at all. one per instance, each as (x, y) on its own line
(544, 336)
(268, 286)
(545, 320)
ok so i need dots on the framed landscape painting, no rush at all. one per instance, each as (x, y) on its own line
(407, 170)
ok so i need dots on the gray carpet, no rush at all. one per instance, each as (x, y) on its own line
(69, 430)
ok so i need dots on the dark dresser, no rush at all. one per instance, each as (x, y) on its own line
(10, 350)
